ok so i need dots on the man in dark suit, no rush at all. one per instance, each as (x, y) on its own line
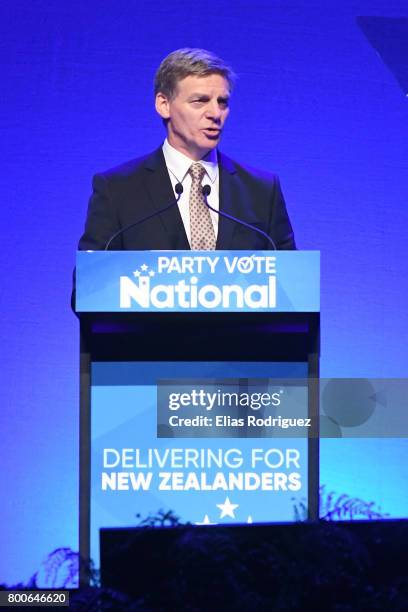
(192, 89)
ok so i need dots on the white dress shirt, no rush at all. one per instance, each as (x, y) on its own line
(178, 165)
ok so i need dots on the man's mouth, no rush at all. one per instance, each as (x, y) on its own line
(212, 132)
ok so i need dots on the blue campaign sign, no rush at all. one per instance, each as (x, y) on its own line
(143, 461)
(198, 281)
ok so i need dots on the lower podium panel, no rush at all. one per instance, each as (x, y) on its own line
(204, 443)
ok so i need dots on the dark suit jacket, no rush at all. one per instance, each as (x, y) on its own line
(134, 190)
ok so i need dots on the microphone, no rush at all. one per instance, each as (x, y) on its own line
(206, 190)
(178, 189)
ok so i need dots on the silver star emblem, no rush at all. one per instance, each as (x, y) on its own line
(227, 509)
(205, 521)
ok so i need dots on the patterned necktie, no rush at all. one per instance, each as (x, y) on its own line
(201, 227)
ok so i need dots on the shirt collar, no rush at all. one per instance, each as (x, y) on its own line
(179, 164)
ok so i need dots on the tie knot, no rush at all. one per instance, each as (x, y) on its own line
(197, 171)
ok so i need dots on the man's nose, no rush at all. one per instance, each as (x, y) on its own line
(214, 111)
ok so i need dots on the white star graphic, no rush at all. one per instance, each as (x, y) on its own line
(205, 521)
(227, 509)
(151, 273)
(136, 273)
(249, 520)
(144, 267)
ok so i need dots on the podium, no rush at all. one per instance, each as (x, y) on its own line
(198, 327)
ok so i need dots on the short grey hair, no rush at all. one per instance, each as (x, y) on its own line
(189, 62)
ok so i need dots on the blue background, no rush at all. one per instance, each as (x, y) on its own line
(314, 102)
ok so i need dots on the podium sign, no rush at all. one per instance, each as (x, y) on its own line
(198, 281)
(196, 392)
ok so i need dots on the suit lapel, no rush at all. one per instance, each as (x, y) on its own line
(228, 193)
(161, 194)
(160, 191)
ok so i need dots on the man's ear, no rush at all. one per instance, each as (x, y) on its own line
(162, 105)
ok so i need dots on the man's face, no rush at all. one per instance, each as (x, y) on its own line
(196, 114)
